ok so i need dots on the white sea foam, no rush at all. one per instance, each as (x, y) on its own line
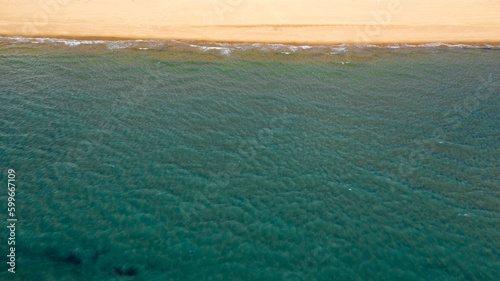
(227, 48)
(223, 50)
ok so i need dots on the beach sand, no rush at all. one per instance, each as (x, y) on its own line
(265, 21)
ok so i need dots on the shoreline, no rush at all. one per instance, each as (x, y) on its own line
(161, 44)
(432, 38)
(318, 22)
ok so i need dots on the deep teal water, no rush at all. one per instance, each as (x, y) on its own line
(171, 163)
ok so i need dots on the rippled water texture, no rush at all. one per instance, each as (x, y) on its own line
(164, 161)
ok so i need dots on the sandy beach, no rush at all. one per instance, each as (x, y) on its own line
(275, 21)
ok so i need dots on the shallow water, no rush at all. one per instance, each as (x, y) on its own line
(165, 161)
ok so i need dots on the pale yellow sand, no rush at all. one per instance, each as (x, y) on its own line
(276, 21)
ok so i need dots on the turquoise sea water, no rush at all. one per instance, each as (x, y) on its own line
(187, 161)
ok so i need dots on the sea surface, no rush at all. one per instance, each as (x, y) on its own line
(167, 160)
